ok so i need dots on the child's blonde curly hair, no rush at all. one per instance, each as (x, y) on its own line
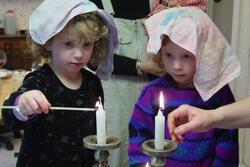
(87, 26)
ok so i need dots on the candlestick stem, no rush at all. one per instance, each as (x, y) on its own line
(158, 157)
(102, 156)
(101, 150)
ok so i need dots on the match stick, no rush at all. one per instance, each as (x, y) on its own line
(56, 108)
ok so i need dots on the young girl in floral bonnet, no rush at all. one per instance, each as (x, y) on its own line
(199, 64)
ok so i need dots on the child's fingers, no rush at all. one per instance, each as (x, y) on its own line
(43, 103)
(28, 106)
(33, 102)
(26, 109)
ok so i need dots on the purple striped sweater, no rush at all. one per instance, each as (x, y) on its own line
(215, 148)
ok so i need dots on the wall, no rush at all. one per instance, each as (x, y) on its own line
(222, 16)
(22, 8)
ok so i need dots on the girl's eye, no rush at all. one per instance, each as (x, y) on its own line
(88, 44)
(186, 56)
(69, 44)
(167, 55)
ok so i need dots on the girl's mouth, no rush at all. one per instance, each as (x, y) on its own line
(77, 64)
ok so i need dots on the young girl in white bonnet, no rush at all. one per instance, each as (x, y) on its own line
(199, 63)
(67, 35)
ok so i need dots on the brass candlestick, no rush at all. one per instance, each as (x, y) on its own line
(102, 150)
(158, 157)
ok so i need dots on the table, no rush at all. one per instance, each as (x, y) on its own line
(6, 87)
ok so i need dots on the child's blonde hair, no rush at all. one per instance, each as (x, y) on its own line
(87, 26)
(157, 58)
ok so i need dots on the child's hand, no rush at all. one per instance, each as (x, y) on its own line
(33, 102)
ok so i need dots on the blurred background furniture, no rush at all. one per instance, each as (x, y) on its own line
(18, 57)
(16, 49)
(6, 87)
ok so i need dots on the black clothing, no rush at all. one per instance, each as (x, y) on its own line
(128, 9)
(56, 139)
(124, 66)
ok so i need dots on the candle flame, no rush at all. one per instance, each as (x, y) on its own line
(147, 165)
(99, 106)
(161, 101)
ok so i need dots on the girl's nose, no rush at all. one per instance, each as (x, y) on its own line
(79, 53)
(177, 65)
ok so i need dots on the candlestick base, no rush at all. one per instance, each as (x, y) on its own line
(102, 150)
(158, 157)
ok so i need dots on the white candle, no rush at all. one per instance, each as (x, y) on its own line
(160, 126)
(100, 124)
(147, 165)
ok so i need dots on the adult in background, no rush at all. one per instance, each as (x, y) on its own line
(132, 66)
(122, 90)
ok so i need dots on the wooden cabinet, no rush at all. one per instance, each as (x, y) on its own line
(16, 49)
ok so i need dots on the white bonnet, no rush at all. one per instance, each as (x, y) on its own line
(53, 15)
